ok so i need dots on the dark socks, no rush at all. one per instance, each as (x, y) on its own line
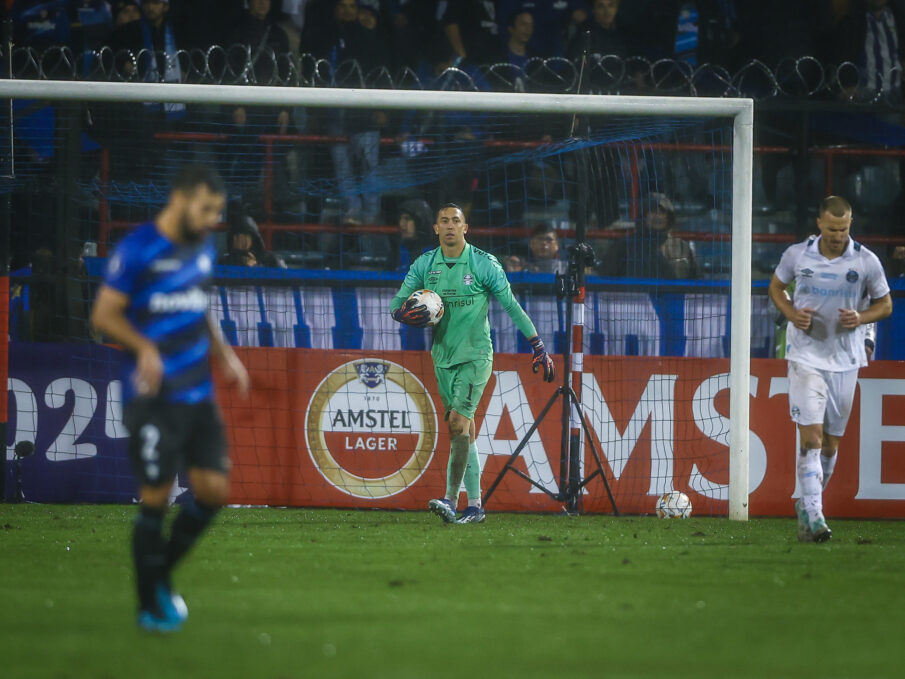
(149, 554)
(187, 528)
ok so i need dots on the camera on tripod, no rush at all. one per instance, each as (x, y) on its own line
(581, 256)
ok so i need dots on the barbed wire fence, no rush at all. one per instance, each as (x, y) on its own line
(794, 78)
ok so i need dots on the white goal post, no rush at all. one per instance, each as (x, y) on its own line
(741, 111)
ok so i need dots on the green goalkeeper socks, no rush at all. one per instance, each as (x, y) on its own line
(458, 459)
(473, 476)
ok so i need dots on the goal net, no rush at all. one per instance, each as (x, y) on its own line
(332, 194)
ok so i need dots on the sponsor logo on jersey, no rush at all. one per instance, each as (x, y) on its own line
(165, 265)
(460, 302)
(807, 273)
(851, 276)
(371, 428)
(829, 276)
(468, 279)
(822, 292)
(173, 302)
(796, 411)
(434, 273)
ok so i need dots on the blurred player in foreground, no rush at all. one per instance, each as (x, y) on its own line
(153, 303)
(825, 345)
(464, 277)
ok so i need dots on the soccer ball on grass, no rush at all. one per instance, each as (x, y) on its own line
(674, 505)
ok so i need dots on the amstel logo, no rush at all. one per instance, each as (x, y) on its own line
(371, 428)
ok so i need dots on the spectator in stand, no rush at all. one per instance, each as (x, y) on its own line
(341, 41)
(258, 33)
(606, 36)
(472, 31)
(415, 232)
(245, 244)
(125, 12)
(555, 22)
(868, 35)
(145, 50)
(544, 245)
(651, 251)
(153, 40)
(521, 28)
(369, 16)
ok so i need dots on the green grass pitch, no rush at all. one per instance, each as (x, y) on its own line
(280, 594)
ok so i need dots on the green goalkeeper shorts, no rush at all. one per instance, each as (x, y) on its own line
(461, 386)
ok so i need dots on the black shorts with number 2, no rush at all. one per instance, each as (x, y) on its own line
(166, 438)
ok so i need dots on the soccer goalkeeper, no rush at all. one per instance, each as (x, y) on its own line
(464, 277)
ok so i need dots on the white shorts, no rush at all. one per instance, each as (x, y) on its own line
(821, 397)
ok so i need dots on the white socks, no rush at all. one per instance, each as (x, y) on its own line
(810, 478)
(828, 464)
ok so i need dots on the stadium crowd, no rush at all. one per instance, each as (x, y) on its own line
(408, 32)
(431, 39)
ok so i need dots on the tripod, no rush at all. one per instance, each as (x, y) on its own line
(574, 422)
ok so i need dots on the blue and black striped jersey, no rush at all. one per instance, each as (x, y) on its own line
(168, 303)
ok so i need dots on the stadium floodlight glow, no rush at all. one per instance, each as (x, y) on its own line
(740, 111)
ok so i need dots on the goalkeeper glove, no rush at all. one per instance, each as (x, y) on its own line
(412, 314)
(541, 358)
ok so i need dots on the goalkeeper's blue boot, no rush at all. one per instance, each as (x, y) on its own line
(804, 525)
(443, 508)
(472, 515)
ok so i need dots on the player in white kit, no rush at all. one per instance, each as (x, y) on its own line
(825, 344)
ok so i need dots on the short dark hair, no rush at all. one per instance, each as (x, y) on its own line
(449, 206)
(190, 177)
(542, 228)
(837, 206)
(516, 14)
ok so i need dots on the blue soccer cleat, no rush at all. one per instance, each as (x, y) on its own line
(151, 622)
(443, 508)
(171, 605)
(472, 515)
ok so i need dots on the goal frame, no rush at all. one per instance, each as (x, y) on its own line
(741, 111)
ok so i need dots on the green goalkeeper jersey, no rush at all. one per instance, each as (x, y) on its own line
(465, 285)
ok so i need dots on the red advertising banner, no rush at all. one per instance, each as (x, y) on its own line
(358, 429)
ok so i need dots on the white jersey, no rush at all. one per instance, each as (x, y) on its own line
(828, 285)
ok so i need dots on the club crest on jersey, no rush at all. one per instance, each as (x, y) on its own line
(371, 373)
(851, 276)
(807, 273)
(468, 279)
